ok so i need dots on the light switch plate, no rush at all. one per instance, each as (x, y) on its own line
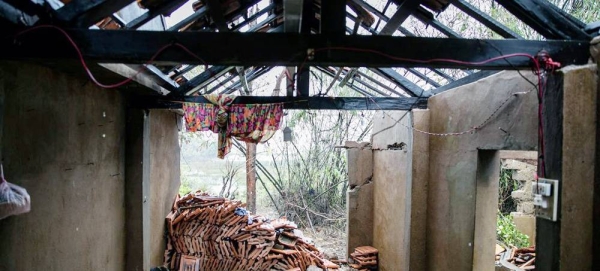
(551, 210)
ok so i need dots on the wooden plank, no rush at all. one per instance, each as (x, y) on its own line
(85, 13)
(277, 49)
(333, 18)
(546, 19)
(548, 232)
(323, 103)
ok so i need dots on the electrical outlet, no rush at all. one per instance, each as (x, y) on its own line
(545, 198)
(544, 189)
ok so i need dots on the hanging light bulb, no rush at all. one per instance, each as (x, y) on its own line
(287, 134)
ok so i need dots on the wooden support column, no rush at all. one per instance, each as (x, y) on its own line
(251, 177)
(570, 130)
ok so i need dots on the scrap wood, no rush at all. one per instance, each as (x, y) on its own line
(521, 258)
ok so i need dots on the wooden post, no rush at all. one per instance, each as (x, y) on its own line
(251, 177)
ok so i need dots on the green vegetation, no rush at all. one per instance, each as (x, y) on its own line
(507, 233)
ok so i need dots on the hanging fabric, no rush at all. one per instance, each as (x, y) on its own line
(250, 123)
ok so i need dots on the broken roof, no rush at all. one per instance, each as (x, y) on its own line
(421, 18)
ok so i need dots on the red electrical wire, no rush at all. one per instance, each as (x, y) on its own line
(86, 68)
(536, 68)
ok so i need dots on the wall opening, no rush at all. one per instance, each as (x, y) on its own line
(505, 219)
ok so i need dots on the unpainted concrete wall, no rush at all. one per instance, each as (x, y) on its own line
(453, 160)
(63, 141)
(392, 163)
(164, 177)
(578, 167)
(359, 197)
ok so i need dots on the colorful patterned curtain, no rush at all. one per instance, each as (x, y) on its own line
(250, 123)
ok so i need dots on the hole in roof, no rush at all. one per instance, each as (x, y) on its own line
(506, 18)
(465, 25)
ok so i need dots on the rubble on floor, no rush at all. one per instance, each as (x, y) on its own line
(214, 233)
(517, 258)
(364, 258)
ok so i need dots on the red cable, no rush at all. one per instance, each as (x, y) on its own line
(185, 49)
(86, 68)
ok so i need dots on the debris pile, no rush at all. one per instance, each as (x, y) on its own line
(515, 258)
(523, 258)
(364, 258)
(214, 233)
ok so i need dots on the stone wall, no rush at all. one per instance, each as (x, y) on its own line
(523, 171)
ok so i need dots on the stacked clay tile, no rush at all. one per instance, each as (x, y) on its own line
(364, 258)
(214, 233)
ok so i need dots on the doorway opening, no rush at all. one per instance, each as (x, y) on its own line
(505, 215)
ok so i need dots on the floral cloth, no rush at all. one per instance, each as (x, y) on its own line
(250, 123)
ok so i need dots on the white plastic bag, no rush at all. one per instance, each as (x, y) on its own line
(14, 199)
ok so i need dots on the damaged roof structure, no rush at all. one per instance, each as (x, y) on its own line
(225, 44)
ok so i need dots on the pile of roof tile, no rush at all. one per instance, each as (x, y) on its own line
(364, 258)
(523, 258)
(213, 233)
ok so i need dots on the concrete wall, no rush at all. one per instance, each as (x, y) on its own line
(359, 197)
(578, 167)
(164, 177)
(453, 183)
(392, 163)
(63, 141)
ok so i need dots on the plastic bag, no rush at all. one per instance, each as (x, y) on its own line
(14, 199)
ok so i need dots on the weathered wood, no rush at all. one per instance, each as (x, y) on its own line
(251, 177)
(277, 49)
(326, 103)
(548, 232)
(546, 19)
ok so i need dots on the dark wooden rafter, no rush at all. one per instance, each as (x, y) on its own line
(203, 79)
(424, 77)
(216, 13)
(253, 75)
(486, 19)
(303, 78)
(163, 9)
(319, 103)
(201, 12)
(547, 19)
(333, 17)
(85, 13)
(353, 87)
(254, 17)
(428, 18)
(403, 30)
(404, 10)
(409, 87)
(157, 76)
(264, 49)
(15, 16)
